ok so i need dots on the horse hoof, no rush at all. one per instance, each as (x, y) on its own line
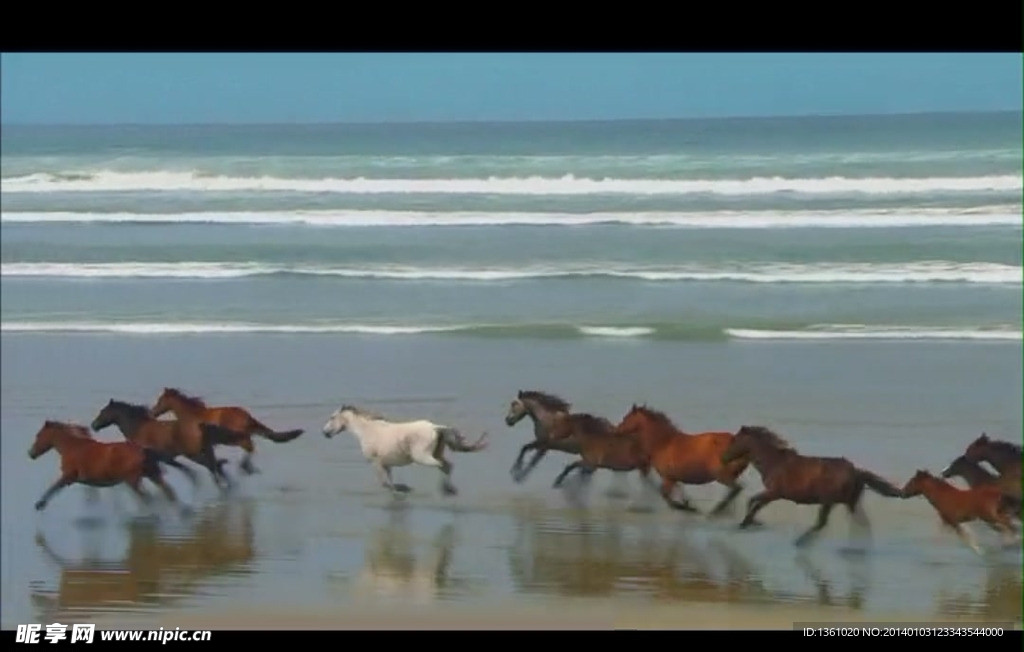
(40, 505)
(402, 488)
(187, 511)
(449, 491)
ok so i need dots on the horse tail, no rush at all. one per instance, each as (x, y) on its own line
(151, 460)
(878, 484)
(277, 437)
(455, 441)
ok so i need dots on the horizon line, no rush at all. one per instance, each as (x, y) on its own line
(518, 121)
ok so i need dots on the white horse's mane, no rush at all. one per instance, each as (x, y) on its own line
(361, 412)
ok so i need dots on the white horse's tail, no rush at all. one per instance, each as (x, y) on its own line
(455, 441)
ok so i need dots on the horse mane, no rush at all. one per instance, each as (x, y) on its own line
(1006, 447)
(70, 428)
(133, 409)
(547, 401)
(366, 414)
(656, 416)
(192, 401)
(591, 424)
(768, 436)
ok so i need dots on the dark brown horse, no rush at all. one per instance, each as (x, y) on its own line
(1005, 457)
(600, 447)
(189, 438)
(83, 460)
(975, 475)
(680, 457)
(233, 418)
(801, 479)
(542, 409)
(957, 507)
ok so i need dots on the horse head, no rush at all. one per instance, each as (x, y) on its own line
(338, 422)
(976, 449)
(915, 485)
(43, 441)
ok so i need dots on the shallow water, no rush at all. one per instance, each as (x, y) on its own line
(314, 530)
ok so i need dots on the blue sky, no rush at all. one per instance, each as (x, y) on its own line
(265, 87)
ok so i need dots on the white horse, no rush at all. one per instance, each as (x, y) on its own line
(387, 444)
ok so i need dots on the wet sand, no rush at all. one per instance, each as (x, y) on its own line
(313, 542)
(573, 614)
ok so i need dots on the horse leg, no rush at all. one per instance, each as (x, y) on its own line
(522, 453)
(859, 518)
(246, 464)
(447, 488)
(438, 461)
(967, 537)
(756, 503)
(666, 493)
(734, 490)
(62, 481)
(647, 488)
(384, 475)
(168, 491)
(135, 485)
(566, 471)
(1000, 521)
(207, 459)
(534, 461)
(823, 513)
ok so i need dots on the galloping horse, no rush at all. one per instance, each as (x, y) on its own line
(231, 417)
(679, 457)
(600, 446)
(956, 507)
(975, 475)
(801, 479)
(543, 409)
(83, 460)
(190, 438)
(387, 444)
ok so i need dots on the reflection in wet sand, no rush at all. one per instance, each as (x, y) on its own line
(394, 569)
(999, 600)
(591, 557)
(157, 569)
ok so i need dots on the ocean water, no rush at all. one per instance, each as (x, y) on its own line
(855, 283)
(893, 227)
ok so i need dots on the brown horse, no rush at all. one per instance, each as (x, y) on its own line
(599, 446)
(190, 438)
(1005, 457)
(801, 479)
(83, 460)
(975, 475)
(230, 417)
(957, 507)
(682, 458)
